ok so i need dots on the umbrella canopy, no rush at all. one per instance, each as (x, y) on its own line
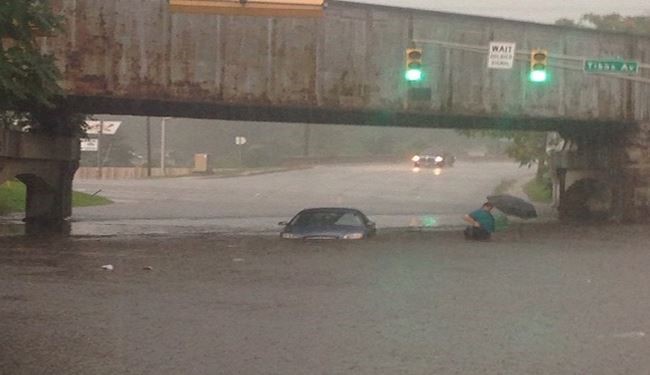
(513, 206)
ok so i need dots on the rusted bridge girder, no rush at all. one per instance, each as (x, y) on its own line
(127, 57)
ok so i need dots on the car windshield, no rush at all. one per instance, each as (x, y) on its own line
(328, 218)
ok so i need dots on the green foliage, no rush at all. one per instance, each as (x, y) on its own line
(616, 22)
(526, 147)
(610, 22)
(80, 199)
(539, 191)
(26, 75)
(565, 22)
(13, 193)
(12, 197)
(30, 96)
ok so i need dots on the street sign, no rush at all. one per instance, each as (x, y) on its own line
(108, 128)
(88, 144)
(502, 55)
(611, 66)
(240, 140)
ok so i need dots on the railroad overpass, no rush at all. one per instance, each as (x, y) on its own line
(139, 58)
(346, 67)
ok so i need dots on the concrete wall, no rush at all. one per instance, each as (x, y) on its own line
(135, 57)
(46, 165)
(119, 173)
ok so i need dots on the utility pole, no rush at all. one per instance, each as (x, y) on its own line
(99, 150)
(307, 135)
(148, 146)
(162, 144)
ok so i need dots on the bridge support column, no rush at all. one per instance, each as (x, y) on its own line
(49, 200)
(46, 165)
(633, 200)
(605, 176)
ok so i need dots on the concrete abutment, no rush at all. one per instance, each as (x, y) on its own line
(604, 176)
(46, 165)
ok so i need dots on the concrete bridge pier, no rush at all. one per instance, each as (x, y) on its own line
(605, 175)
(635, 181)
(46, 165)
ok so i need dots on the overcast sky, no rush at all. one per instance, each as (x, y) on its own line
(533, 10)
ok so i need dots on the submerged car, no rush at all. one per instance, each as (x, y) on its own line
(328, 224)
(432, 159)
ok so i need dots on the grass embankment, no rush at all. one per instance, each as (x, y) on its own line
(13, 193)
(538, 191)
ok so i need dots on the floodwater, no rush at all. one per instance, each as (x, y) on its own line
(392, 195)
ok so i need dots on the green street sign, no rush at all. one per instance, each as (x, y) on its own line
(611, 66)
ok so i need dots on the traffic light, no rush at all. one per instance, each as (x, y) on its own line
(538, 65)
(413, 65)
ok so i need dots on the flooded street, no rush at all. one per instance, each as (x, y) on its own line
(393, 195)
(537, 299)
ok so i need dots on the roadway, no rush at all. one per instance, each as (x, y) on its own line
(543, 299)
(393, 195)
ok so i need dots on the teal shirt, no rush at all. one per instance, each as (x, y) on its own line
(484, 218)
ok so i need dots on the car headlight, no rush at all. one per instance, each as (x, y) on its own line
(438, 159)
(289, 235)
(353, 236)
(416, 158)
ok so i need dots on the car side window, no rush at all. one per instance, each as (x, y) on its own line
(351, 219)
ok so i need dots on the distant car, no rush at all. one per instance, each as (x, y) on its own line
(433, 159)
(328, 224)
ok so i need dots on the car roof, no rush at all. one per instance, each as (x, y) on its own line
(432, 151)
(329, 209)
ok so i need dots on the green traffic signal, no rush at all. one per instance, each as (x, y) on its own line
(538, 65)
(413, 75)
(538, 76)
(413, 65)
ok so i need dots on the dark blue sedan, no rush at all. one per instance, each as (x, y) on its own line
(328, 224)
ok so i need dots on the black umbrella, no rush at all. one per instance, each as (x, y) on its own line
(514, 206)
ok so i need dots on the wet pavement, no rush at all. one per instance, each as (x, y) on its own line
(537, 299)
(393, 195)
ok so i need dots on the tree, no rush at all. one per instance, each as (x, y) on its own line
(610, 22)
(528, 148)
(616, 22)
(30, 96)
(566, 22)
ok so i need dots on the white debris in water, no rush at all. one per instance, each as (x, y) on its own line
(108, 267)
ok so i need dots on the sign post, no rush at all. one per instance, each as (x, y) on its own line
(240, 141)
(98, 128)
(99, 150)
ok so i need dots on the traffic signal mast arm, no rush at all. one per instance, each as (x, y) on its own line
(525, 55)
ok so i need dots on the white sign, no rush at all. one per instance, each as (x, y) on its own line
(108, 127)
(501, 55)
(240, 140)
(88, 144)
